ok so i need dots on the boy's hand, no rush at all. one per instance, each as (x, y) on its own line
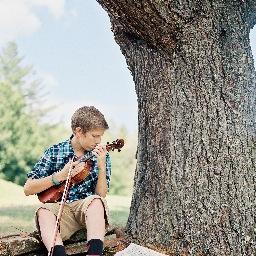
(76, 168)
(100, 152)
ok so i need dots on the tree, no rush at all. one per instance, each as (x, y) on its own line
(123, 163)
(194, 76)
(22, 79)
(23, 135)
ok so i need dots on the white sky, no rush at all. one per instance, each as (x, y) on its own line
(72, 49)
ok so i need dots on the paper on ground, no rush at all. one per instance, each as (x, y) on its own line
(137, 250)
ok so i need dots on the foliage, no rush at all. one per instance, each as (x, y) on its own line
(123, 163)
(23, 135)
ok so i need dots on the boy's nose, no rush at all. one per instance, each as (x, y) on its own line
(97, 140)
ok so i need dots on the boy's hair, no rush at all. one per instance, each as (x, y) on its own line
(88, 118)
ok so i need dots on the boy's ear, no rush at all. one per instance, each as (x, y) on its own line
(78, 131)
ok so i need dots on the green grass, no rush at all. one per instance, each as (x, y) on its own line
(17, 210)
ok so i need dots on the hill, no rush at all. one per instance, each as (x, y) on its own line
(12, 194)
(17, 210)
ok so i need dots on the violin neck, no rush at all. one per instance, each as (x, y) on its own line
(85, 159)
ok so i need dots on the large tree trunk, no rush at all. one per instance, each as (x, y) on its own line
(194, 76)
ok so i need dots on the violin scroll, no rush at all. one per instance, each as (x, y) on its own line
(116, 144)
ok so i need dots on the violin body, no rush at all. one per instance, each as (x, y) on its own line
(54, 194)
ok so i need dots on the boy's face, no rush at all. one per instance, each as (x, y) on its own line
(89, 140)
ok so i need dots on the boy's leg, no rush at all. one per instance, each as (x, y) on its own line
(47, 222)
(92, 213)
(95, 226)
(95, 221)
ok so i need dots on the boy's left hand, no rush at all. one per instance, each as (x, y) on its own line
(100, 152)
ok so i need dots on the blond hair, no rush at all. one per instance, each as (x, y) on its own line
(88, 118)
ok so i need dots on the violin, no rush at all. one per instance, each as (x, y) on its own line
(53, 194)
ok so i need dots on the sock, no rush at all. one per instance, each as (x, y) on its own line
(95, 247)
(59, 250)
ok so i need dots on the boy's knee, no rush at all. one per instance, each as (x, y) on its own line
(96, 204)
(44, 213)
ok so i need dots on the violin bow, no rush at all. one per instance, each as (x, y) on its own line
(119, 143)
(63, 200)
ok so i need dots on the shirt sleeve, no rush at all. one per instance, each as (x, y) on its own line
(42, 168)
(108, 170)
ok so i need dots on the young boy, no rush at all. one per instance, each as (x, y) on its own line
(86, 205)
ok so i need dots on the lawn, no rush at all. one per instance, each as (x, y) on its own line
(17, 210)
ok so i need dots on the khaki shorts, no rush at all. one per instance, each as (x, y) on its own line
(73, 216)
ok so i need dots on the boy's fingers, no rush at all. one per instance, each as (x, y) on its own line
(75, 163)
(79, 166)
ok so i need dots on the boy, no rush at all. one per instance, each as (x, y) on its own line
(86, 205)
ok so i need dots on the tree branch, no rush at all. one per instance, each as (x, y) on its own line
(154, 21)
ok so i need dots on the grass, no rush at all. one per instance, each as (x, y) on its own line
(17, 210)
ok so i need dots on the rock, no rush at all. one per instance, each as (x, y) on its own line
(29, 244)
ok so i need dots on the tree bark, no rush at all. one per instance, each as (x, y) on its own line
(250, 10)
(194, 76)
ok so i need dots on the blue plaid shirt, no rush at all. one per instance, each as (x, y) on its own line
(55, 158)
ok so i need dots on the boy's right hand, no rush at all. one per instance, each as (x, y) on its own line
(76, 168)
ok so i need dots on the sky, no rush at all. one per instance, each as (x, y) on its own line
(72, 50)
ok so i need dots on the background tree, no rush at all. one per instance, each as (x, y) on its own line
(23, 134)
(194, 76)
(124, 162)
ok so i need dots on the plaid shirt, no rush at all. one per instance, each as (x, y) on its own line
(55, 158)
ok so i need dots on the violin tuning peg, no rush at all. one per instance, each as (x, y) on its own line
(119, 150)
(107, 143)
